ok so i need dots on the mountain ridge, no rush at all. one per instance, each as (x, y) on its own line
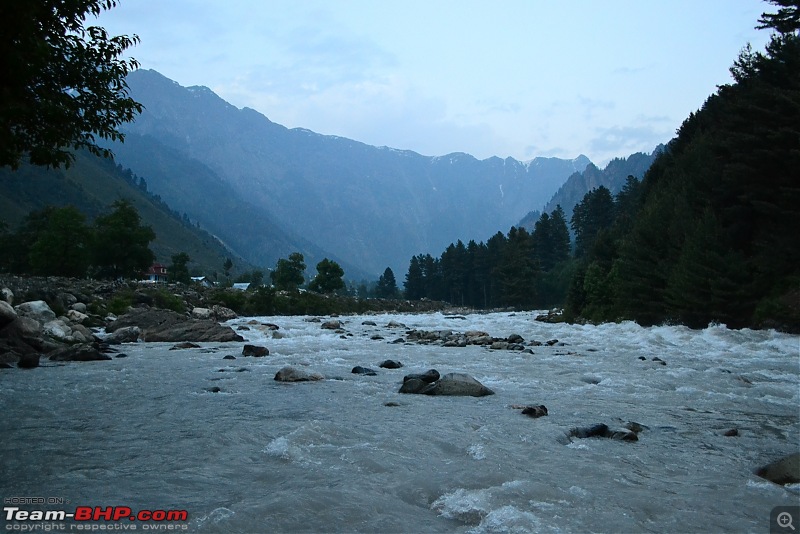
(368, 205)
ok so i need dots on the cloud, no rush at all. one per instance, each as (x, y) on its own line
(624, 140)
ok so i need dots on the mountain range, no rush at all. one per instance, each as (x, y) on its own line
(266, 190)
(612, 177)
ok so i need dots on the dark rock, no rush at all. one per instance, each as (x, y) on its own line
(657, 359)
(121, 355)
(633, 426)
(395, 324)
(185, 345)
(167, 325)
(376, 337)
(398, 341)
(622, 435)
(733, 432)
(229, 357)
(535, 411)
(272, 326)
(28, 361)
(551, 342)
(333, 324)
(291, 374)
(783, 471)
(7, 313)
(596, 430)
(213, 389)
(24, 335)
(78, 353)
(642, 358)
(499, 345)
(358, 370)
(413, 385)
(515, 338)
(459, 384)
(255, 350)
(369, 323)
(391, 403)
(429, 376)
(242, 328)
(601, 430)
(390, 364)
(552, 316)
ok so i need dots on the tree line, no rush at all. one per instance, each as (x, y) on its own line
(60, 242)
(518, 269)
(708, 235)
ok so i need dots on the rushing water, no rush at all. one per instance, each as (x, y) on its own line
(330, 456)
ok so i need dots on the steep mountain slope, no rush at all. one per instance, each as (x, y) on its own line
(192, 188)
(613, 177)
(372, 206)
(92, 184)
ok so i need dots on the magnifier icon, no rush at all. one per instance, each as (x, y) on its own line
(785, 520)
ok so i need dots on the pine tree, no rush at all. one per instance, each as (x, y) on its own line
(387, 285)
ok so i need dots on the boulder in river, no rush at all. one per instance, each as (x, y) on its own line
(783, 471)
(535, 411)
(600, 430)
(167, 325)
(390, 364)
(413, 385)
(457, 384)
(358, 370)
(28, 361)
(127, 334)
(255, 350)
(333, 324)
(292, 374)
(429, 376)
(77, 353)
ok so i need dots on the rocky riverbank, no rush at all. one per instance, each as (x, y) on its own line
(60, 318)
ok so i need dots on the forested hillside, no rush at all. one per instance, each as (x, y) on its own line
(92, 184)
(713, 234)
(709, 234)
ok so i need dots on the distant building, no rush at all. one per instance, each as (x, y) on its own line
(241, 286)
(156, 273)
(203, 281)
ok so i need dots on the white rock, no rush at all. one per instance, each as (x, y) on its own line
(37, 310)
(76, 317)
(57, 329)
(7, 295)
(201, 313)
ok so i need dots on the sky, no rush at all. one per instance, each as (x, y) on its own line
(518, 78)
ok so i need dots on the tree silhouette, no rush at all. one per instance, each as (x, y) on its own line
(62, 83)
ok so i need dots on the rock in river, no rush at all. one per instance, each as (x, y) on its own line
(460, 384)
(166, 325)
(783, 471)
(292, 374)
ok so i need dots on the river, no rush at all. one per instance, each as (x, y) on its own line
(330, 456)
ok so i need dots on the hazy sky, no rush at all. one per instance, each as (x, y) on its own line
(520, 78)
